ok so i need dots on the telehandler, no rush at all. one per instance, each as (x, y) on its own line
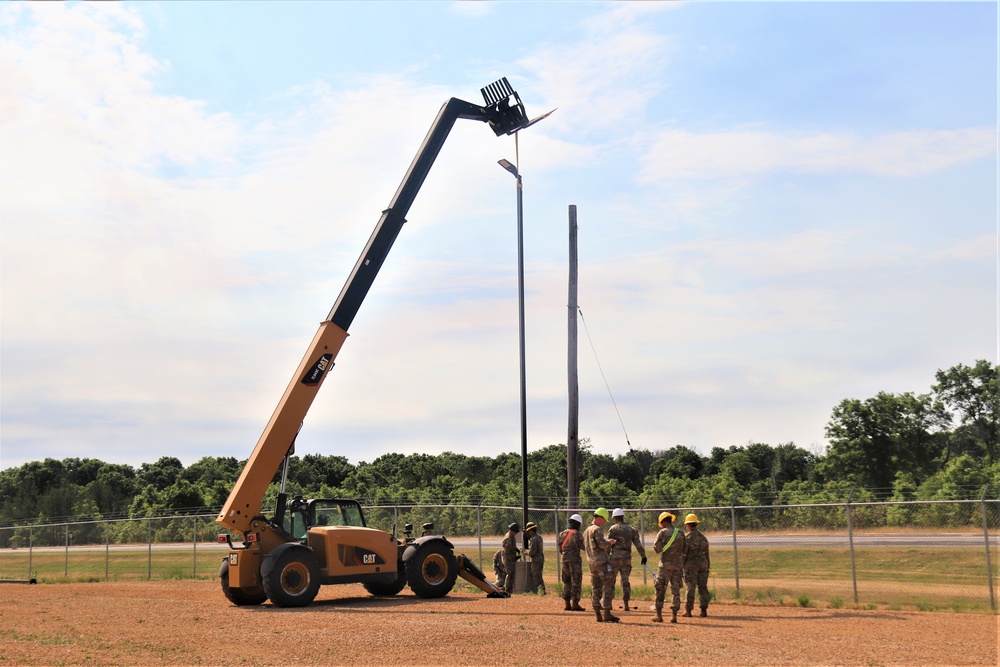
(285, 558)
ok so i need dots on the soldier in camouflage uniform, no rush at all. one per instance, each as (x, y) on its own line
(536, 554)
(624, 536)
(511, 554)
(598, 550)
(570, 544)
(498, 570)
(672, 547)
(697, 565)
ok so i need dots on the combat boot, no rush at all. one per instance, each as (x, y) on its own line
(673, 615)
(687, 614)
(600, 619)
(568, 607)
(576, 606)
(704, 612)
(609, 617)
(659, 616)
(625, 605)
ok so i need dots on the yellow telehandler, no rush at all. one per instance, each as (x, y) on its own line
(285, 558)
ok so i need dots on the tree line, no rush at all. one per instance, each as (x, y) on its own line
(942, 445)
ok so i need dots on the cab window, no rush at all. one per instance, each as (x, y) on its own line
(352, 515)
(332, 513)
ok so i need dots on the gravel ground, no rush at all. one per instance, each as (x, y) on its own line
(191, 623)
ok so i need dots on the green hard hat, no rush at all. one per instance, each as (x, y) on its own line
(603, 513)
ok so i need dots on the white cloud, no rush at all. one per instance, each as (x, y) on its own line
(678, 154)
(607, 77)
(168, 264)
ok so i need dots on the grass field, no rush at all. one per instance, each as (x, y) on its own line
(923, 579)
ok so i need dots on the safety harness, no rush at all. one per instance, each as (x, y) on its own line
(569, 536)
(671, 541)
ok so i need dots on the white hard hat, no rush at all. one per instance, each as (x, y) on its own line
(618, 512)
(577, 518)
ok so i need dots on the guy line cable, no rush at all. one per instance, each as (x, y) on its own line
(594, 350)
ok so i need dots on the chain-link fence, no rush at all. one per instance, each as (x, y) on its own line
(921, 554)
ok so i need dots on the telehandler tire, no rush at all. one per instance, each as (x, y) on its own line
(432, 570)
(387, 589)
(292, 578)
(238, 596)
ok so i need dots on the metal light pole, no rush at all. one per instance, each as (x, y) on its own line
(520, 312)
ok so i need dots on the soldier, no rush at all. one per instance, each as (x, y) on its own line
(510, 555)
(598, 550)
(570, 544)
(697, 565)
(498, 570)
(621, 555)
(536, 555)
(428, 529)
(672, 547)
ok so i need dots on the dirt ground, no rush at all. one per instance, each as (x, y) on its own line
(191, 623)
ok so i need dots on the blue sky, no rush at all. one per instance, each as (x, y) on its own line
(781, 205)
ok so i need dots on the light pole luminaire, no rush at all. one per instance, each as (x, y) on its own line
(520, 331)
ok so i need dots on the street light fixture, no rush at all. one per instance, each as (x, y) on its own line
(520, 328)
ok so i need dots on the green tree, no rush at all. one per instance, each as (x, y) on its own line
(973, 393)
(161, 474)
(872, 440)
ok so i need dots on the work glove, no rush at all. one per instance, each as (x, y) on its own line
(643, 560)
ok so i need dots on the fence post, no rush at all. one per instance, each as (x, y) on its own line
(850, 542)
(149, 557)
(736, 555)
(31, 544)
(479, 530)
(66, 565)
(642, 535)
(986, 538)
(194, 547)
(107, 548)
(555, 526)
(395, 518)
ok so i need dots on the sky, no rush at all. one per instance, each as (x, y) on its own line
(781, 205)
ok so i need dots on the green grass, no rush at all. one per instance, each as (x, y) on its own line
(929, 579)
(117, 565)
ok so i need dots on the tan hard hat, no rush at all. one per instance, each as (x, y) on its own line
(530, 526)
(691, 518)
(665, 516)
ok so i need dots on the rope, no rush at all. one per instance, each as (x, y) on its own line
(587, 331)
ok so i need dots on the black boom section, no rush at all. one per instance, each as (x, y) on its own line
(499, 115)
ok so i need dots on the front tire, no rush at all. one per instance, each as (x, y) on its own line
(238, 596)
(432, 570)
(294, 578)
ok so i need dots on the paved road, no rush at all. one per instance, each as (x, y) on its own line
(743, 541)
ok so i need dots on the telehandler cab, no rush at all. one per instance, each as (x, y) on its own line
(308, 542)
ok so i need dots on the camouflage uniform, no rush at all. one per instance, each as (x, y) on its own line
(696, 568)
(510, 556)
(621, 555)
(498, 570)
(537, 556)
(598, 548)
(671, 570)
(570, 544)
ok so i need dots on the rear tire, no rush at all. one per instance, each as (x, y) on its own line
(432, 570)
(388, 589)
(294, 579)
(239, 596)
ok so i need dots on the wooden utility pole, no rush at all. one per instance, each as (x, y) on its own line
(573, 436)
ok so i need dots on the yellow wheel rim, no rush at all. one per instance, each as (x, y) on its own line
(435, 569)
(295, 578)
